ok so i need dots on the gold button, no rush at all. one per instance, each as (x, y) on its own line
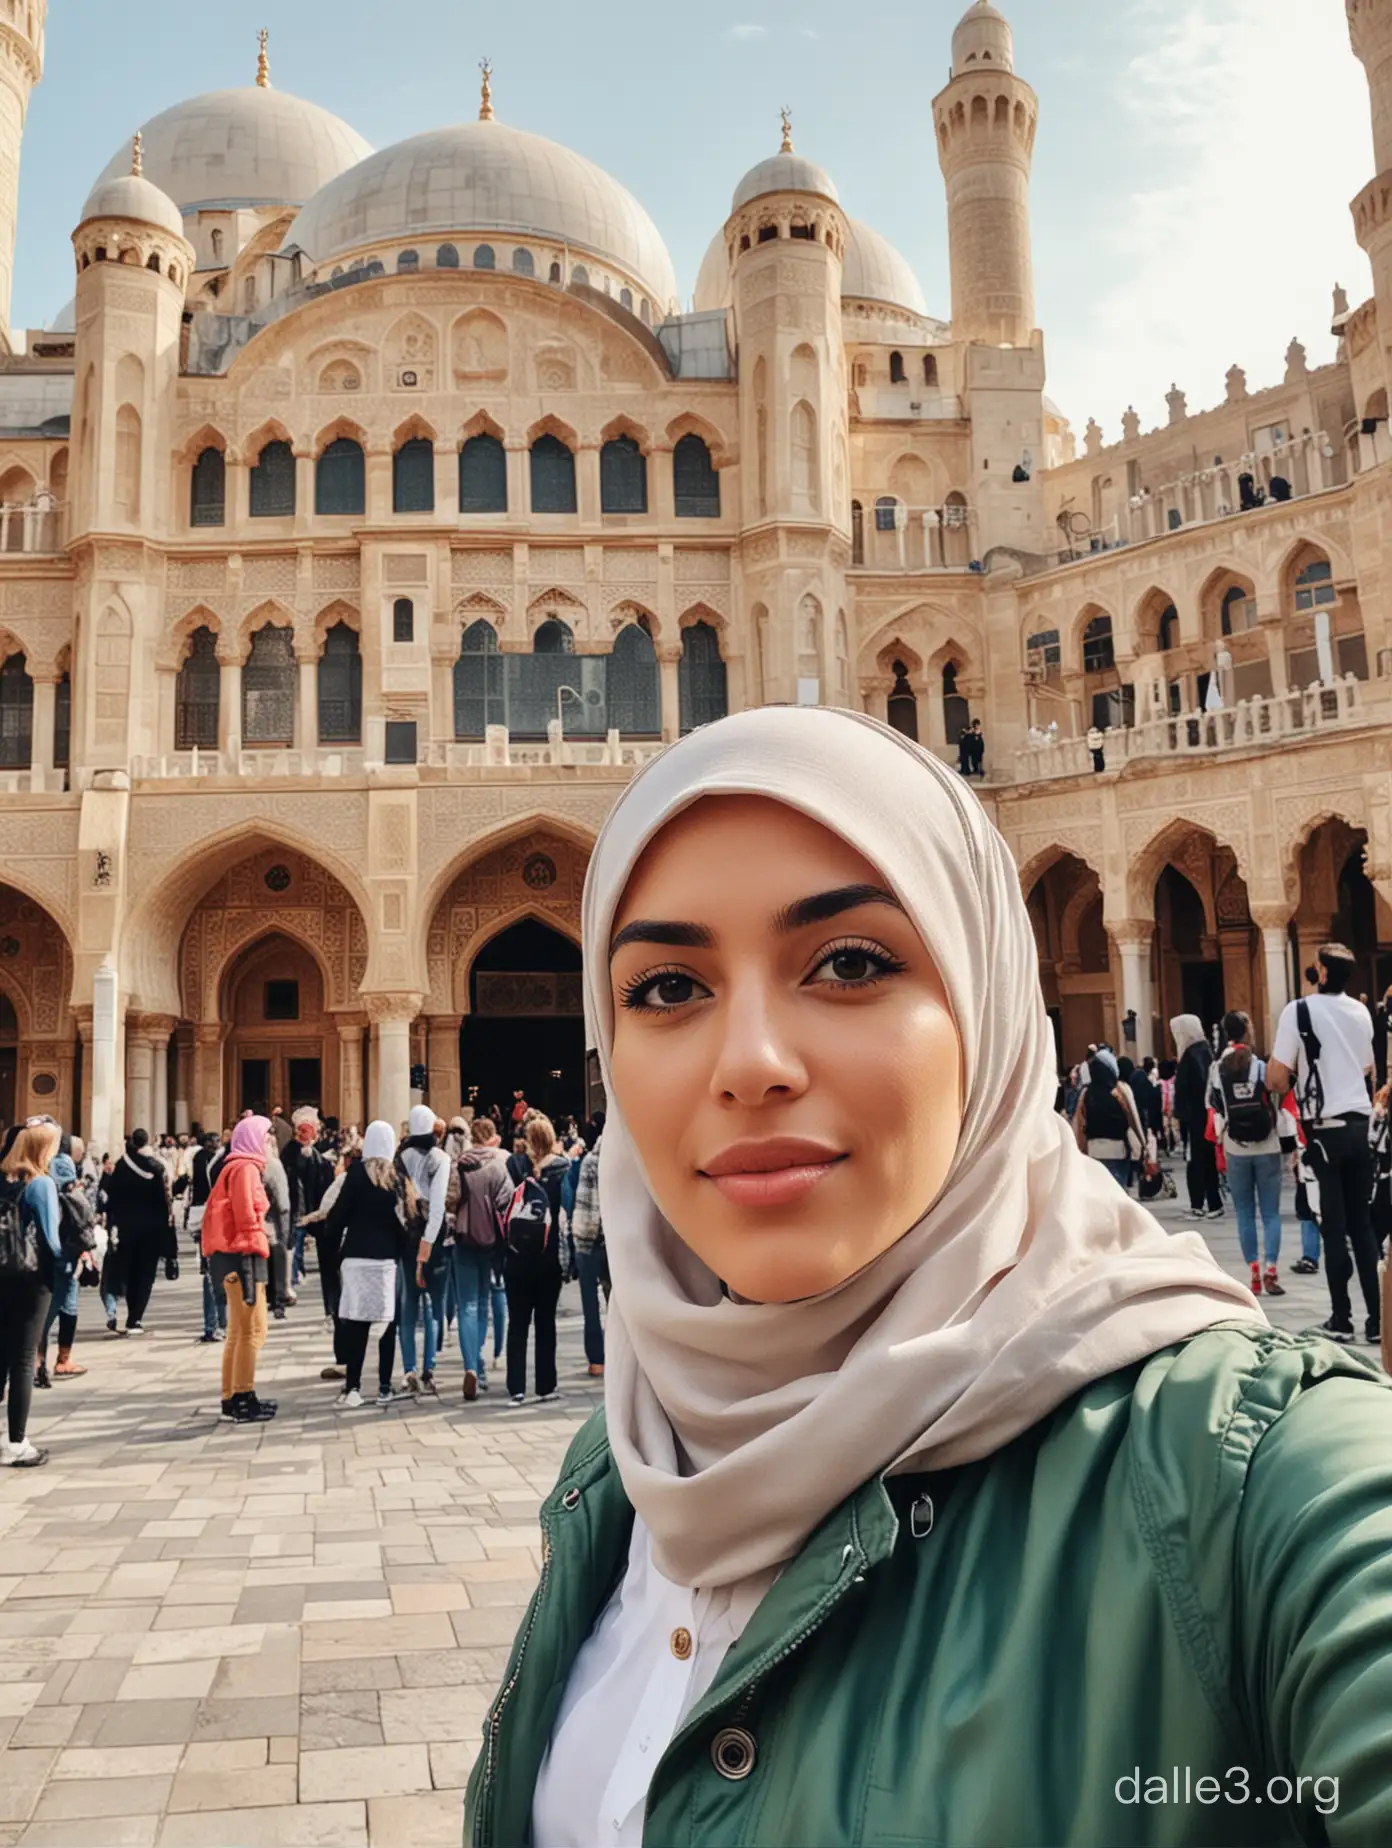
(681, 1644)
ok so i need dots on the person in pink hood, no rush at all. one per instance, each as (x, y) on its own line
(237, 1250)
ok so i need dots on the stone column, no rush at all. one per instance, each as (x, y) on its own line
(1276, 965)
(183, 1073)
(669, 666)
(392, 1015)
(207, 1076)
(82, 1106)
(229, 705)
(587, 498)
(45, 715)
(446, 481)
(442, 1059)
(107, 1119)
(140, 1073)
(1132, 937)
(350, 1072)
(160, 1028)
(307, 705)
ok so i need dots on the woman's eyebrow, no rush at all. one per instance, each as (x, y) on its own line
(795, 916)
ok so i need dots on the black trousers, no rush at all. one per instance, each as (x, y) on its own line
(1343, 1165)
(350, 1347)
(23, 1305)
(1201, 1171)
(142, 1256)
(329, 1247)
(532, 1294)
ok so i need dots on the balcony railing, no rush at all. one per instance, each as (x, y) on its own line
(1324, 707)
(497, 750)
(37, 526)
(893, 536)
(34, 781)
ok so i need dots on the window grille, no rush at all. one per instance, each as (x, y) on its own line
(623, 477)
(16, 714)
(403, 620)
(633, 692)
(273, 482)
(340, 687)
(701, 678)
(695, 480)
(478, 682)
(62, 724)
(196, 695)
(208, 489)
(340, 478)
(553, 476)
(268, 688)
(483, 476)
(413, 477)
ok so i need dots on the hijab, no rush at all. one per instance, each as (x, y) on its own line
(738, 1427)
(379, 1141)
(1187, 1030)
(249, 1140)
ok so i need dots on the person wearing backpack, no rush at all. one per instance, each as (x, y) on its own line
(591, 1257)
(532, 1263)
(1239, 1098)
(78, 1239)
(476, 1250)
(422, 1280)
(31, 1253)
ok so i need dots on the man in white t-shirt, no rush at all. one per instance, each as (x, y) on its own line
(1333, 1102)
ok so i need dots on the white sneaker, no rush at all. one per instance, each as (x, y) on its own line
(13, 1455)
(348, 1401)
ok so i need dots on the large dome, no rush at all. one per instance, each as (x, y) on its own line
(256, 147)
(873, 271)
(485, 176)
(133, 196)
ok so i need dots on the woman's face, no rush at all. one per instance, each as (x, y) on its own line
(746, 1016)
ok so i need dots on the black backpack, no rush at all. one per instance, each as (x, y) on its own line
(527, 1227)
(1248, 1111)
(76, 1223)
(19, 1241)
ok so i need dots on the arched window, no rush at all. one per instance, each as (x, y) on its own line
(554, 637)
(634, 689)
(16, 714)
(702, 693)
(152, 262)
(580, 274)
(1167, 634)
(1237, 612)
(695, 480)
(554, 273)
(340, 687)
(930, 370)
(1099, 656)
(447, 257)
(626, 299)
(623, 477)
(523, 263)
(403, 620)
(897, 374)
(248, 294)
(645, 312)
(208, 489)
(479, 698)
(956, 711)
(886, 513)
(804, 442)
(128, 463)
(408, 260)
(196, 694)
(1314, 584)
(483, 476)
(217, 246)
(553, 476)
(857, 533)
(340, 478)
(62, 723)
(413, 477)
(484, 257)
(268, 688)
(903, 704)
(273, 482)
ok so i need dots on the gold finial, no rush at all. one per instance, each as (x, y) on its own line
(486, 102)
(787, 146)
(263, 62)
(138, 156)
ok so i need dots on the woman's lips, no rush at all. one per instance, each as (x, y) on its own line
(775, 1186)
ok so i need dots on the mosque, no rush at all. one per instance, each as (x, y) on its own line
(367, 517)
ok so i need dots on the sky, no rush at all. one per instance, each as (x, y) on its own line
(1193, 167)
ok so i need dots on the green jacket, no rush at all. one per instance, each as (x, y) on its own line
(1185, 1571)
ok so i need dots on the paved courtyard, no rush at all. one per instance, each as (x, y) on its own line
(285, 1635)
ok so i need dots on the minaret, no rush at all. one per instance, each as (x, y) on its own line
(1370, 32)
(985, 121)
(21, 67)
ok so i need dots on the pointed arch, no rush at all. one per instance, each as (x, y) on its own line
(624, 425)
(271, 431)
(481, 424)
(340, 429)
(551, 425)
(689, 423)
(207, 436)
(413, 428)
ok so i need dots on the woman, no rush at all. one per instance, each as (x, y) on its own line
(1195, 1056)
(139, 1207)
(421, 1284)
(477, 1252)
(591, 1260)
(1106, 1113)
(371, 1217)
(237, 1247)
(1238, 1097)
(532, 1267)
(924, 1447)
(31, 1253)
(76, 1238)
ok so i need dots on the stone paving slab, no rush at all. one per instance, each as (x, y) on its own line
(283, 1636)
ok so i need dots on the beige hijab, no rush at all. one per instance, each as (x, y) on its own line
(738, 1427)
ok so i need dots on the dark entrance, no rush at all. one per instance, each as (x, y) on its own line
(256, 1085)
(525, 1029)
(9, 1061)
(305, 1084)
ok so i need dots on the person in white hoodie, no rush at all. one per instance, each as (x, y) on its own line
(422, 1284)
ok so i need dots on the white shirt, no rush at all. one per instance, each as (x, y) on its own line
(1344, 1029)
(651, 1656)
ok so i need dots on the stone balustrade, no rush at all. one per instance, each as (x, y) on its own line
(889, 535)
(497, 750)
(37, 526)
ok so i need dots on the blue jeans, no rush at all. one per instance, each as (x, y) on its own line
(214, 1307)
(62, 1302)
(411, 1297)
(1309, 1241)
(1254, 1181)
(297, 1268)
(473, 1283)
(592, 1266)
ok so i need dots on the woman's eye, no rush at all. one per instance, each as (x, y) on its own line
(857, 966)
(655, 994)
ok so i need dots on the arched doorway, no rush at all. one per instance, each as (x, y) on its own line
(40, 1061)
(525, 1028)
(1191, 972)
(1339, 903)
(282, 1048)
(1065, 907)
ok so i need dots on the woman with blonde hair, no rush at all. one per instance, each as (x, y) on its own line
(31, 1254)
(940, 1494)
(532, 1261)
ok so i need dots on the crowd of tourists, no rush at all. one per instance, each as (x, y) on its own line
(438, 1228)
(1314, 1113)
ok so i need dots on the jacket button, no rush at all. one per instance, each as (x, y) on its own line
(733, 1752)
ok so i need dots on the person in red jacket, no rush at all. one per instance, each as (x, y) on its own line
(237, 1250)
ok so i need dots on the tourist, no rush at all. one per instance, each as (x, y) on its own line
(77, 1240)
(200, 1186)
(422, 1282)
(964, 751)
(1195, 1056)
(371, 1217)
(1106, 1118)
(888, 1430)
(308, 1169)
(1096, 743)
(31, 1254)
(977, 741)
(477, 1252)
(591, 1257)
(280, 1233)
(1327, 1065)
(329, 1244)
(1249, 1123)
(532, 1263)
(279, 1123)
(518, 1114)
(236, 1243)
(139, 1207)
(1148, 1104)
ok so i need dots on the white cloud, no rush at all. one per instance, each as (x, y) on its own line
(743, 34)
(1254, 122)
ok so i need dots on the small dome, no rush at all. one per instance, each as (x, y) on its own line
(874, 271)
(65, 321)
(983, 36)
(485, 176)
(785, 172)
(133, 196)
(251, 147)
